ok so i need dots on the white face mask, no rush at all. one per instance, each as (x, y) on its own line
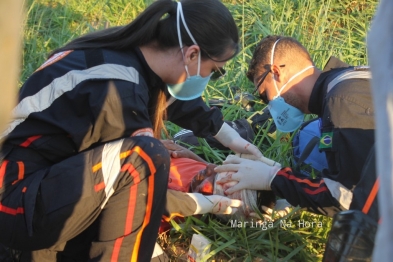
(286, 117)
(193, 86)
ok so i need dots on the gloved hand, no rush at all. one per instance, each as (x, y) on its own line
(214, 204)
(250, 174)
(263, 159)
(230, 138)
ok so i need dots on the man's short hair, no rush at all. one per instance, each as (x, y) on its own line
(287, 49)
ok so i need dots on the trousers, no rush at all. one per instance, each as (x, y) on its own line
(103, 204)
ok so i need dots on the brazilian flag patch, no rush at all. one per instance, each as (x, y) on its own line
(326, 140)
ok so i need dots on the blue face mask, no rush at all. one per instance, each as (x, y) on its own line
(286, 117)
(190, 89)
(194, 86)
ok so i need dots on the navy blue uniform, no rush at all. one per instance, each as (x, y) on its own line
(78, 155)
(342, 98)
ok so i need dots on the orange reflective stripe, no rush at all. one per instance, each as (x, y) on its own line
(299, 180)
(54, 58)
(116, 249)
(29, 141)
(21, 171)
(99, 186)
(97, 167)
(11, 211)
(371, 197)
(133, 172)
(129, 221)
(125, 154)
(142, 154)
(2, 172)
(150, 195)
(317, 191)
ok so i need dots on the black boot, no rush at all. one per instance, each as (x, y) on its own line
(351, 237)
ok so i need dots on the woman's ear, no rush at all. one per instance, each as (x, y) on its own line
(191, 54)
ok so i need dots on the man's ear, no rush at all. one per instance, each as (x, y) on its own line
(191, 54)
(277, 73)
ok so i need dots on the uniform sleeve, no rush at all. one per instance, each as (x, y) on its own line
(303, 191)
(347, 135)
(348, 130)
(178, 204)
(195, 115)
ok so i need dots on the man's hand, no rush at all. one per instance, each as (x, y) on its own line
(177, 151)
(250, 174)
(215, 204)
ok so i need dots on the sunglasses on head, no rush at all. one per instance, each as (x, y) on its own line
(263, 95)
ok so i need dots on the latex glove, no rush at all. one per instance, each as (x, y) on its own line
(263, 159)
(215, 204)
(250, 174)
(230, 138)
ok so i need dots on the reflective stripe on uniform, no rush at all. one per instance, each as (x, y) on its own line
(111, 166)
(348, 75)
(47, 95)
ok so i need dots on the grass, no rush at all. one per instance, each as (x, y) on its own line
(325, 27)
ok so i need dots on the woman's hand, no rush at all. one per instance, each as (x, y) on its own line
(228, 137)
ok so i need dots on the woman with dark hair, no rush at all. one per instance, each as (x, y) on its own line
(81, 159)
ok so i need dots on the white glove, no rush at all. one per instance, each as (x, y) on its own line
(250, 174)
(263, 159)
(215, 204)
(230, 138)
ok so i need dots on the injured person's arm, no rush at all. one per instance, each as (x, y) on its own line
(192, 189)
(177, 151)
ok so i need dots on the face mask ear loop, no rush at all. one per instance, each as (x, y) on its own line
(271, 64)
(178, 27)
(180, 10)
(295, 75)
(179, 34)
(199, 63)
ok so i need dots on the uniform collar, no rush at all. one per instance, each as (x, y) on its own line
(315, 105)
(334, 62)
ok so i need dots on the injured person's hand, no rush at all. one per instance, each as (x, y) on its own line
(214, 204)
(177, 151)
(281, 209)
